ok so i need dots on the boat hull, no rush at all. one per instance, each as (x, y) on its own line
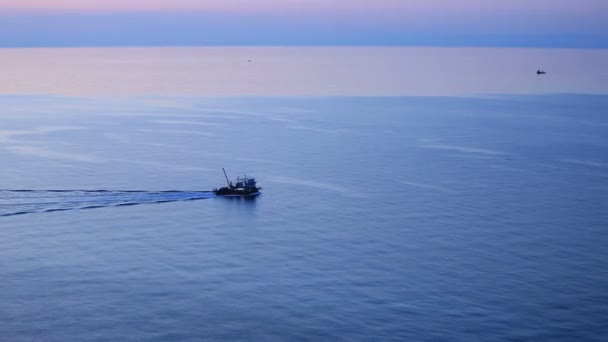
(248, 195)
(227, 192)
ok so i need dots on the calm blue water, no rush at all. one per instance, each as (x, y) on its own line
(406, 218)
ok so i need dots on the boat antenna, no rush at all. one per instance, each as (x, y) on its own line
(227, 181)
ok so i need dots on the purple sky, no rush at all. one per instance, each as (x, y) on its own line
(566, 23)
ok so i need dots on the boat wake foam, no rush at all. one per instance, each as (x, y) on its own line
(21, 202)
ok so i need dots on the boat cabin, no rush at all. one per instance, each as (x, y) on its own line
(244, 182)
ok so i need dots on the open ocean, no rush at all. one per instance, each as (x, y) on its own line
(458, 216)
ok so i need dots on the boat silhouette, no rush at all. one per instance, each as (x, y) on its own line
(242, 186)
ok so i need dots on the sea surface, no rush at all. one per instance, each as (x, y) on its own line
(462, 217)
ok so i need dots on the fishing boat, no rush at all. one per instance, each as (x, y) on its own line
(242, 186)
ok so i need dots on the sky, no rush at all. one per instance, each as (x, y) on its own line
(525, 23)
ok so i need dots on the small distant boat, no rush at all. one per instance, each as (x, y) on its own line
(540, 72)
(243, 186)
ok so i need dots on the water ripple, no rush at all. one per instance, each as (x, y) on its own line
(23, 201)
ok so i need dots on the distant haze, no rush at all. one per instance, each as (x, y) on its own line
(301, 71)
(540, 23)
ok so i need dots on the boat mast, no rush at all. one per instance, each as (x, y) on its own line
(227, 181)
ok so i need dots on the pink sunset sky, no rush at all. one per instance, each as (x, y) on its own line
(551, 6)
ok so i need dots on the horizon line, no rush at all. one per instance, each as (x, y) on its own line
(363, 45)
